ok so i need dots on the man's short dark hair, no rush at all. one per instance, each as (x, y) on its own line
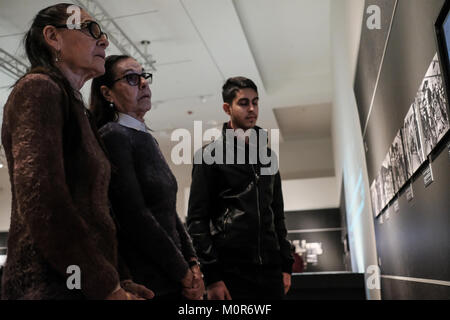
(233, 85)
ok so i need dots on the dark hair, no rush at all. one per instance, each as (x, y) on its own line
(233, 85)
(99, 106)
(42, 61)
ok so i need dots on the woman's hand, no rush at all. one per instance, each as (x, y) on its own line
(218, 291)
(121, 294)
(137, 289)
(198, 281)
(286, 282)
(186, 282)
(193, 286)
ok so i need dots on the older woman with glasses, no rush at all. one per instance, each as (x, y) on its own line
(62, 239)
(152, 239)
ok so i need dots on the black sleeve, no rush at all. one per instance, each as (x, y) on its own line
(280, 227)
(134, 217)
(186, 242)
(201, 200)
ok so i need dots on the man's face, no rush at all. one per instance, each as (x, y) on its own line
(244, 109)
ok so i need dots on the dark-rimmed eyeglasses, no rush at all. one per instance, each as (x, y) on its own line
(94, 28)
(134, 79)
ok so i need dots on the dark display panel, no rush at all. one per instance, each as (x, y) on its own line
(406, 290)
(370, 55)
(3, 239)
(413, 239)
(443, 40)
(321, 234)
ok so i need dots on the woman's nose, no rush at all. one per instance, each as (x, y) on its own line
(103, 41)
(143, 82)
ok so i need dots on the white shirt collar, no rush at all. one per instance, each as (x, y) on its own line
(130, 122)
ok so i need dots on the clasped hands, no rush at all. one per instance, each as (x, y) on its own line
(193, 285)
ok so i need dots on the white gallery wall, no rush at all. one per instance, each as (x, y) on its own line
(350, 161)
(310, 194)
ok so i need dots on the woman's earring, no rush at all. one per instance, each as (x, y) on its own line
(58, 56)
(111, 104)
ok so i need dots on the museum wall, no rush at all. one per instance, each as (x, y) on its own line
(310, 194)
(412, 235)
(349, 156)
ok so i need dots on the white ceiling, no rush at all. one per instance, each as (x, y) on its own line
(304, 122)
(283, 45)
(289, 40)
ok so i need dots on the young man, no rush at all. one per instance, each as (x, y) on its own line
(235, 216)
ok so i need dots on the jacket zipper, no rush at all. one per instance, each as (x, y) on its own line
(259, 215)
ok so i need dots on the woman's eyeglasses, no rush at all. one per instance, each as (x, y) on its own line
(134, 79)
(93, 27)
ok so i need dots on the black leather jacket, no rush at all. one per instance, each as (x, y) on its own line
(236, 214)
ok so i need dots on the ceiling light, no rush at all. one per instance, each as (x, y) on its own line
(145, 44)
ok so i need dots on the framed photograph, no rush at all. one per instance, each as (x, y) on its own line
(412, 142)
(387, 182)
(398, 162)
(373, 196)
(431, 106)
(377, 196)
(380, 194)
(442, 27)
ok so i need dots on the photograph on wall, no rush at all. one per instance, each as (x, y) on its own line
(387, 182)
(377, 196)
(432, 107)
(380, 194)
(374, 196)
(412, 143)
(398, 162)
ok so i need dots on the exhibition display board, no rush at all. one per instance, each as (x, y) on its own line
(404, 113)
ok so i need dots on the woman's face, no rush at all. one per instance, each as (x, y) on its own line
(132, 100)
(80, 52)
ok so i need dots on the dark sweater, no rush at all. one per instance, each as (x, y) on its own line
(152, 239)
(60, 215)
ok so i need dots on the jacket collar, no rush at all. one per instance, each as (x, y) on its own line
(227, 125)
